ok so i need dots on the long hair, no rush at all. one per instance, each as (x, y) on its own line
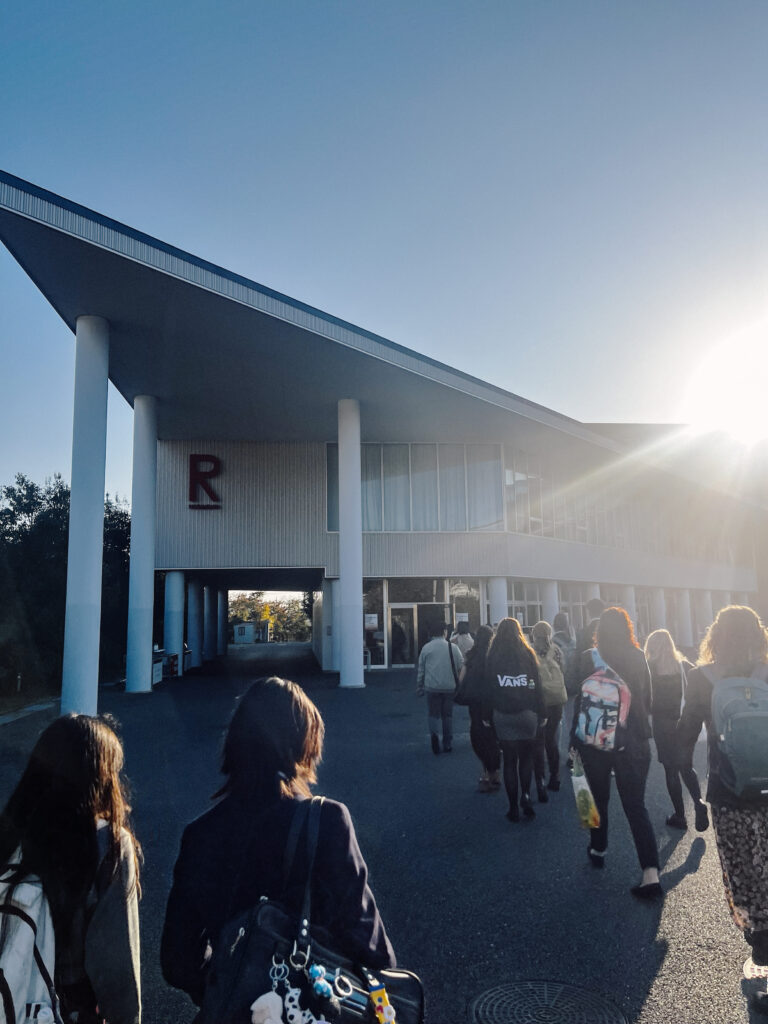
(73, 777)
(479, 652)
(274, 743)
(615, 635)
(662, 655)
(510, 645)
(541, 635)
(736, 641)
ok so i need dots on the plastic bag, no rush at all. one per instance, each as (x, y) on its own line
(589, 816)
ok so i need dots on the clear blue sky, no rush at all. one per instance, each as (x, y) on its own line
(568, 199)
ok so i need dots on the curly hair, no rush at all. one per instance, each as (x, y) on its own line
(736, 640)
(615, 634)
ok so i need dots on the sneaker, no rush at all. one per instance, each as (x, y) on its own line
(596, 859)
(527, 806)
(651, 891)
(702, 817)
(484, 786)
(677, 821)
(542, 794)
(495, 778)
(554, 785)
(435, 744)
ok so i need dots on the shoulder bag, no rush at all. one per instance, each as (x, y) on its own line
(267, 961)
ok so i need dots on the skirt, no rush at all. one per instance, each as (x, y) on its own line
(742, 842)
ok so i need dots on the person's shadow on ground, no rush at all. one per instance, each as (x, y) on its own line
(689, 866)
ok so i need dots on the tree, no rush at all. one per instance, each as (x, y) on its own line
(247, 606)
(290, 621)
(34, 529)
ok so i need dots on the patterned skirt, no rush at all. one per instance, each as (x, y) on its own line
(742, 842)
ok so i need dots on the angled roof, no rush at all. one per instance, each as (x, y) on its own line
(228, 358)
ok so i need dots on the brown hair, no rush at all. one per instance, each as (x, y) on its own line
(736, 640)
(510, 643)
(615, 634)
(274, 742)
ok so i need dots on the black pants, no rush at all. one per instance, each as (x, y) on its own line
(631, 770)
(518, 763)
(547, 752)
(483, 740)
(677, 761)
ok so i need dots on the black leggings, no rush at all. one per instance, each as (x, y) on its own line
(518, 762)
(673, 774)
(483, 740)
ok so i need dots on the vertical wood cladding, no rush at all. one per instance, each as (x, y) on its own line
(272, 507)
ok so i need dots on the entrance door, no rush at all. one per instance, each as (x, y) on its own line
(429, 614)
(402, 636)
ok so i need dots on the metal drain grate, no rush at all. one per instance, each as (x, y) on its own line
(542, 1002)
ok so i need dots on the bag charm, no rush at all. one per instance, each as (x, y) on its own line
(382, 1007)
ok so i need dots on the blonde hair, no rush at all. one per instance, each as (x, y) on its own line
(736, 640)
(663, 657)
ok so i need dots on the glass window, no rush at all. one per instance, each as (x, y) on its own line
(484, 487)
(534, 495)
(424, 486)
(370, 457)
(397, 488)
(332, 485)
(401, 591)
(453, 500)
(464, 595)
(373, 620)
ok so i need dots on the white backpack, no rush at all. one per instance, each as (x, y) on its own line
(27, 952)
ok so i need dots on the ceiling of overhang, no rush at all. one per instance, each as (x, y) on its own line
(261, 579)
(223, 370)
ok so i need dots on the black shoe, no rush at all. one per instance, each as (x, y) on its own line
(702, 816)
(677, 821)
(513, 814)
(554, 785)
(542, 794)
(435, 744)
(527, 806)
(651, 891)
(760, 1003)
(447, 748)
(597, 860)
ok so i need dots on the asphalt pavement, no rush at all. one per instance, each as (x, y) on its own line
(470, 900)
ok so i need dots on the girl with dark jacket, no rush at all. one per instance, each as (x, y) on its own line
(514, 705)
(735, 645)
(616, 645)
(233, 854)
(481, 736)
(669, 672)
(67, 823)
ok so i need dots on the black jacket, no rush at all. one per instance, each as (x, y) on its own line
(233, 855)
(512, 685)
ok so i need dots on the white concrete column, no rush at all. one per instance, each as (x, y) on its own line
(141, 579)
(331, 645)
(210, 622)
(195, 623)
(629, 604)
(82, 622)
(684, 636)
(223, 610)
(550, 600)
(483, 603)
(658, 608)
(350, 546)
(173, 617)
(497, 598)
(592, 590)
(703, 613)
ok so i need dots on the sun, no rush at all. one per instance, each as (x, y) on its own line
(728, 388)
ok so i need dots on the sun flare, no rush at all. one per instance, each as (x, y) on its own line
(728, 388)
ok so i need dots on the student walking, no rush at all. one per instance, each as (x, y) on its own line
(234, 854)
(617, 648)
(547, 753)
(514, 705)
(437, 675)
(735, 648)
(481, 734)
(669, 669)
(67, 824)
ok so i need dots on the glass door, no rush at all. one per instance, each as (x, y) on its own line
(402, 635)
(428, 614)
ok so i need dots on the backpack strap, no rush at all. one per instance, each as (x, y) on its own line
(297, 824)
(300, 955)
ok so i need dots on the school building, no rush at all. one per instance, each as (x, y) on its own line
(278, 447)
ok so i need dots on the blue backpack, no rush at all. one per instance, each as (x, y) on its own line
(740, 732)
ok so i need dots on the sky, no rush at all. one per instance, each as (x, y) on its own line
(566, 198)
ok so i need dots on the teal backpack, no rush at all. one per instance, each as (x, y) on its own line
(740, 732)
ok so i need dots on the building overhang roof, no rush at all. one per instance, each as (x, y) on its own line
(229, 359)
